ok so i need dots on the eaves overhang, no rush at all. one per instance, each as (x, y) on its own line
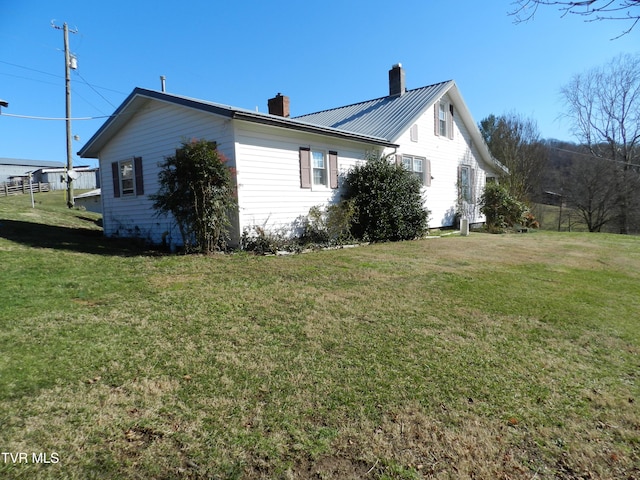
(292, 124)
(140, 97)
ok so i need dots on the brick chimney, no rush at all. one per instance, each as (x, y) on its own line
(279, 105)
(396, 80)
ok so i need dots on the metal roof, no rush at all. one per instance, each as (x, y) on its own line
(379, 122)
(30, 163)
(386, 117)
(140, 96)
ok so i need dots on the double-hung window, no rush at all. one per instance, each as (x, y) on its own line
(466, 183)
(127, 177)
(318, 169)
(418, 166)
(319, 166)
(443, 119)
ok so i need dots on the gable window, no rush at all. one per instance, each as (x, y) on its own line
(317, 169)
(418, 166)
(443, 119)
(127, 177)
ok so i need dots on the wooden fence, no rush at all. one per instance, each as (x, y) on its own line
(7, 189)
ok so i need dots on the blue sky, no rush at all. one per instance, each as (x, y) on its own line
(321, 54)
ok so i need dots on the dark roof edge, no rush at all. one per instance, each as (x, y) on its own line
(293, 124)
(106, 124)
(230, 112)
(143, 92)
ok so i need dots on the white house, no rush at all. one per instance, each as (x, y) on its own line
(284, 166)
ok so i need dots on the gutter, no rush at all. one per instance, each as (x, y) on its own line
(291, 124)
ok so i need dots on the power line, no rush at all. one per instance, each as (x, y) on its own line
(75, 92)
(30, 79)
(97, 92)
(32, 69)
(593, 157)
(31, 117)
(57, 76)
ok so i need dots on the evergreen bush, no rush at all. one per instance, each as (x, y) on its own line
(387, 202)
(501, 209)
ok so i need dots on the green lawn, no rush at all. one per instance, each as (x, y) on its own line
(488, 357)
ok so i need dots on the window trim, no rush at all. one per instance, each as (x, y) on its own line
(137, 179)
(324, 169)
(443, 123)
(129, 190)
(425, 175)
(443, 119)
(470, 188)
(306, 168)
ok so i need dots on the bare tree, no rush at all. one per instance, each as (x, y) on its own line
(604, 107)
(590, 189)
(594, 10)
(515, 141)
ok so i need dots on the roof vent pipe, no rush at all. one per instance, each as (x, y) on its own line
(163, 84)
(396, 80)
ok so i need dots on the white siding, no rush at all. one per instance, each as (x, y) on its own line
(445, 155)
(267, 163)
(154, 133)
(268, 172)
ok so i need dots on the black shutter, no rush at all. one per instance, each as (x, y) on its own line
(115, 175)
(137, 169)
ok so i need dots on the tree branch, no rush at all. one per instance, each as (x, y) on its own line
(598, 10)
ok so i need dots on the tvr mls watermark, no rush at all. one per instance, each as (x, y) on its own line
(33, 457)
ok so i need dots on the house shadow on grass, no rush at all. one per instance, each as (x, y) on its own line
(82, 240)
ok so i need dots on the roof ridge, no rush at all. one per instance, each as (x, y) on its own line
(371, 100)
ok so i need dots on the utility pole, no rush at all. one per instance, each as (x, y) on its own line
(67, 82)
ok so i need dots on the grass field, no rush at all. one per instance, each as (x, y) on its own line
(487, 357)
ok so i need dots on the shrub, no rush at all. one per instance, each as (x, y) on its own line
(500, 208)
(263, 242)
(530, 220)
(387, 202)
(328, 226)
(196, 187)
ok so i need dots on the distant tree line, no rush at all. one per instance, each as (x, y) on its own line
(599, 176)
